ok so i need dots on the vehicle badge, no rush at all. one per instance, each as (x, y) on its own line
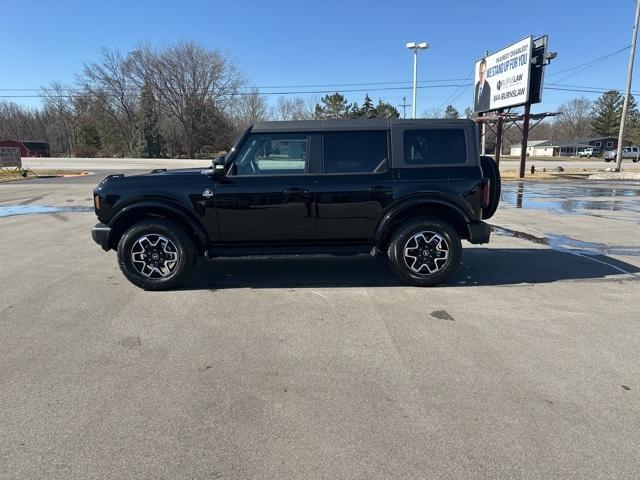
(207, 193)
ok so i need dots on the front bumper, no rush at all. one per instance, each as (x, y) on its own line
(101, 234)
(479, 232)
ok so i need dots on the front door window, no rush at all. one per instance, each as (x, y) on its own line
(273, 154)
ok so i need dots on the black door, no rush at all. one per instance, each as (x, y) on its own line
(267, 194)
(355, 186)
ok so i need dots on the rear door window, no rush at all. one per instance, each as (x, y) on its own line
(355, 152)
(436, 146)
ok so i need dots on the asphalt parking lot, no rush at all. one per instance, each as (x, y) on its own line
(525, 365)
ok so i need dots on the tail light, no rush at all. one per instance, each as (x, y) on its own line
(486, 193)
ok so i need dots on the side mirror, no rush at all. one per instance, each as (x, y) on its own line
(217, 168)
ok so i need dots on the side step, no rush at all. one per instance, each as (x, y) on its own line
(268, 251)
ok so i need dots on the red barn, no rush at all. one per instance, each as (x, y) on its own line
(27, 148)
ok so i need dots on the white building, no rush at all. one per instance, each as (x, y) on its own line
(535, 148)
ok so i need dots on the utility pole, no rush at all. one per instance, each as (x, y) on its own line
(404, 106)
(625, 105)
(415, 46)
(525, 138)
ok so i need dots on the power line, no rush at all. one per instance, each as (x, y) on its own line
(599, 89)
(581, 68)
(301, 92)
(583, 90)
(321, 85)
(589, 62)
(453, 97)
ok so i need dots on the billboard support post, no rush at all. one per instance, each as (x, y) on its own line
(499, 137)
(525, 138)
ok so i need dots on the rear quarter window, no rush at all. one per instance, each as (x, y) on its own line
(436, 146)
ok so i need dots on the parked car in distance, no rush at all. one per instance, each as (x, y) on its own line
(589, 152)
(632, 153)
(410, 190)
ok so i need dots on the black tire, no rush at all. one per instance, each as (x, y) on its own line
(491, 171)
(403, 238)
(171, 241)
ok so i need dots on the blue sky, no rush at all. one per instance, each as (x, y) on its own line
(287, 43)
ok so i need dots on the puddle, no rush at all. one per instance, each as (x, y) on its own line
(566, 244)
(11, 210)
(572, 198)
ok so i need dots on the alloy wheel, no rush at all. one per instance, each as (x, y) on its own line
(154, 256)
(426, 253)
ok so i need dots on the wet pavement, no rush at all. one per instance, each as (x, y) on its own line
(580, 197)
(10, 210)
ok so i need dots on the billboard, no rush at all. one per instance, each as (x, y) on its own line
(10, 157)
(502, 78)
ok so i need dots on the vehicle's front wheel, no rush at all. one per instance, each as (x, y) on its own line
(425, 252)
(156, 254)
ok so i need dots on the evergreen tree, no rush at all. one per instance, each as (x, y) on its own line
(89, 136)
(468, 113)
(368, 110)
(607, 112)
(353, 111)
(149, 142)
(332, 106)
(451, 112)
(632, 125)
(386, 110)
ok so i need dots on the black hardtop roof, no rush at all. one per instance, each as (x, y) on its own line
(359, 124)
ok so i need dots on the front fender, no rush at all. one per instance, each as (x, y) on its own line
(159, 205)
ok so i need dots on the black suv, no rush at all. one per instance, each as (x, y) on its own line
(408, 189)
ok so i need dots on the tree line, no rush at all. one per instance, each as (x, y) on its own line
(178, 100)
(186, 100)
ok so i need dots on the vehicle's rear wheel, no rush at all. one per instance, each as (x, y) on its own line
(491, 171)
(425, 251)
(156, 254)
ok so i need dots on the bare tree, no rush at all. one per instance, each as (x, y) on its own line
(291, 109)
(59, 105)
(248, 109)
(433, 112)
(110, 84)
(574, 120)
(192, 84)
(21, 122)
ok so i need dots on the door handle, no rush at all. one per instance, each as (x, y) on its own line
(296, 191)
(379, 189)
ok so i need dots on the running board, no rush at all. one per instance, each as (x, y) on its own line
(268, 251)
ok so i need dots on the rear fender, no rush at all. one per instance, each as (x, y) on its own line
(425, 206)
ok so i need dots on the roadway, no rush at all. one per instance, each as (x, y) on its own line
(524, 365)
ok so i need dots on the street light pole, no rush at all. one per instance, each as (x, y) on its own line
(625, 105)
(415, 82)
(415, 46)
